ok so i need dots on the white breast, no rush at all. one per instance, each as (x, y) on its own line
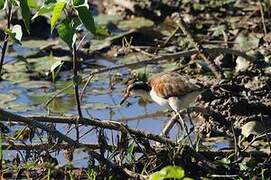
(176, 103)
(159, 100)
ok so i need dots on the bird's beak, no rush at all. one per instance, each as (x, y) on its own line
(124, 98)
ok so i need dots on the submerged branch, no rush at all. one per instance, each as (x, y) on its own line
(34, 121)
(113, 125)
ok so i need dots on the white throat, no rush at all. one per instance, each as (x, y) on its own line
(141, 93)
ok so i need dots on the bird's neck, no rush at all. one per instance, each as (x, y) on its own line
(146, 95)
(144, 92)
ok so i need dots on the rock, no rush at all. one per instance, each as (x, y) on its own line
(252, 127)
(242, 64)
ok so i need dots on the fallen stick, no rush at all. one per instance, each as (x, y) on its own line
(34, 121)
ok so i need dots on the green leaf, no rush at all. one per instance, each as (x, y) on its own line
(47, 7)
(173, 172)
(86, 18)
(2, 4)
(56, 65)
(32, 3)
(79, 2)
(55, 68)
(168, 172)
(156, 176)
(187, 178)
(75, 22)
(67, 32)
(43, 10)
(225, 161)
(57, 11)
(26, 14)
(30, 165)
(50, 1)
(102, 31)
(131, 148)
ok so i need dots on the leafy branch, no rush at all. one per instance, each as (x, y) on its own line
(77, 14)
(16, 32)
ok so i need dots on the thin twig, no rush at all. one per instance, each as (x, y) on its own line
(236, 149)
(169, 125)
(76, 88)
(262, 17)
(170, 37)
(255, 139)
(85, 87)
(135, 175)
(75, 74)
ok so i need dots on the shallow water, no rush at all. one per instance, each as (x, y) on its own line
(103, 106)
(27, 97)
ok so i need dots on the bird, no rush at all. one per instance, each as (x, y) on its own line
(168, 88)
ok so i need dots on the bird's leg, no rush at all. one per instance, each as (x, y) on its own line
(185, 128)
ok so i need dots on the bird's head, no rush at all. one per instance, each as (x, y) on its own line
(138, 88)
